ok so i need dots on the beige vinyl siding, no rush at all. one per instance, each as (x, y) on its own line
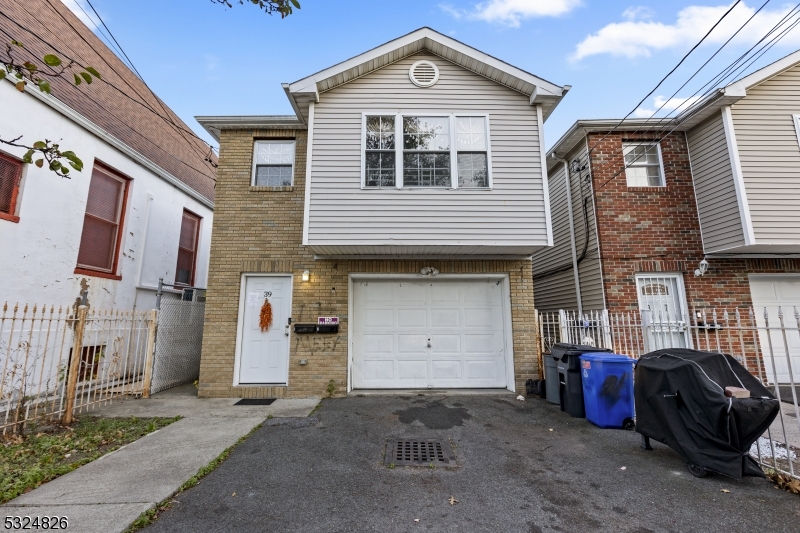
(714, 188)
(770, 156)
(343, 215)
(558, 291)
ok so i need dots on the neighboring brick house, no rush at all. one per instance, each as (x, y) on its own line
(719, 184)
(404, 198)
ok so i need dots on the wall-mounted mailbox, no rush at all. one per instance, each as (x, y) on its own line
(305, 328)
(327, 328)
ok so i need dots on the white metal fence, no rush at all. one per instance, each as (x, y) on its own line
(766, 342)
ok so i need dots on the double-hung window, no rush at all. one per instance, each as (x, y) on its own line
(187, 249)
(379, 152)
(102, 222)
(273, 163)
(643, 167)
(426, 151)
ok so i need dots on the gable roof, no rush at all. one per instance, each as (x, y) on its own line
(119, 105)
(540, 91)
(686, 120)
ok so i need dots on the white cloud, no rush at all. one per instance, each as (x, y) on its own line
(511, 12)
(640, 36)
(663, 106)
(75, 6)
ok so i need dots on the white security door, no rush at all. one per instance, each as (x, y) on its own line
(264, 356)
(428, 334)
(771, 292)
(662, 303)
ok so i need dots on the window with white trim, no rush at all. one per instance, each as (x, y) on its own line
(273, 163)
(643, 166)
(430, 151)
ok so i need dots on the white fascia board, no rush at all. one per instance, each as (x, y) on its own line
(96, 130)
(763, 74)
(545, 185)
(292, 101)
(424, 33)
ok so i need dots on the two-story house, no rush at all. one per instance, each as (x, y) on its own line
(672, 216)
(141, 208)
(404, 200)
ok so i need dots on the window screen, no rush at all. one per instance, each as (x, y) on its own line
(101, 223)
(274, 163)
(187, 249)
(473, 167)
(10, 172)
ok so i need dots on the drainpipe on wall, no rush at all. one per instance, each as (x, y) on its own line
(141, 250)
(573, 248)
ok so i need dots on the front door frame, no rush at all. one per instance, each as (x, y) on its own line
(508, 340)
(240, 325)
(682, 299)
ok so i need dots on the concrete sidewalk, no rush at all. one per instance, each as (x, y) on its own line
(108, 494)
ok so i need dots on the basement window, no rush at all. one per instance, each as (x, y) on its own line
(273, 163)
(643, 164)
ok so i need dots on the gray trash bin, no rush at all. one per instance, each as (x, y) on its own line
(551, 378)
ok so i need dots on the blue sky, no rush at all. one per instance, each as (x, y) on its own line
(205, 59)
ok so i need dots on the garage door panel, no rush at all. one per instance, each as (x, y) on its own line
(395, 321)
(379, 318)
(773, 293)
(412, 318)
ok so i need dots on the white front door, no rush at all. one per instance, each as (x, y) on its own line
(264, 355)
(771, 292)
(662, 303)
(428, 334)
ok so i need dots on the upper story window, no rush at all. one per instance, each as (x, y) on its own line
(10, 176)
(273, 163)
(643, 167)
(437, 151)
(102, 222)
(187, 248)
(380, 152)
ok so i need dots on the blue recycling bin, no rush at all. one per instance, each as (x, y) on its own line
(608, 389)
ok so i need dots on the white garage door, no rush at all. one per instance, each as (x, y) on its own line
(410, 334)
(771, 292)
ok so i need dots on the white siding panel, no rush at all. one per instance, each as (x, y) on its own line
(770, 157)
(717, 206)
(511, 215)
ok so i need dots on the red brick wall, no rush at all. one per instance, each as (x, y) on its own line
(656, 229)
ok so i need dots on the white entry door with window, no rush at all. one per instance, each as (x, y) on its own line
(264, 355)
(662, 302)
(769, 293)
(434, 333)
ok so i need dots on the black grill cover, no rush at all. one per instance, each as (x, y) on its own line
(680, 401)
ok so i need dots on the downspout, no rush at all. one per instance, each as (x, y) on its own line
(574, 249)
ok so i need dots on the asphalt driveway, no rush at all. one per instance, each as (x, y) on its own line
(522, 467)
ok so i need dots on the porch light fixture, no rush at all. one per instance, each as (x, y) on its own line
(306, 275)
(702, 268)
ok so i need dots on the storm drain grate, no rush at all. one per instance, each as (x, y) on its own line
(419, 452)
(255, 401)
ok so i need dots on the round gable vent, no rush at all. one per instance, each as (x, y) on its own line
(423, 73)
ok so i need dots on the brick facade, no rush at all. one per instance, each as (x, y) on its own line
(260, 229)
(656, 229)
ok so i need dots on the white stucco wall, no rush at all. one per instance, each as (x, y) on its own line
(38, 254)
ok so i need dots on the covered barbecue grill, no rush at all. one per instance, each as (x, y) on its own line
(680, 401)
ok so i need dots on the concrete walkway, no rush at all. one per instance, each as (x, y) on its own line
(107, 495)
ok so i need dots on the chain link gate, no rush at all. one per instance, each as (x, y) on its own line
(179, 336)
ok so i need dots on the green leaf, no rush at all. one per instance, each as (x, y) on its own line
(52, 60)
(28, 157)
(86, 77)
(30, 66)
(64, 170)
(39, 145)
(17, 43)
(39, 163)
(2, 74)
(76, 166)
(44, 86)
(93, 72)
(295, 3)
(77, 79)
(55, 165)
